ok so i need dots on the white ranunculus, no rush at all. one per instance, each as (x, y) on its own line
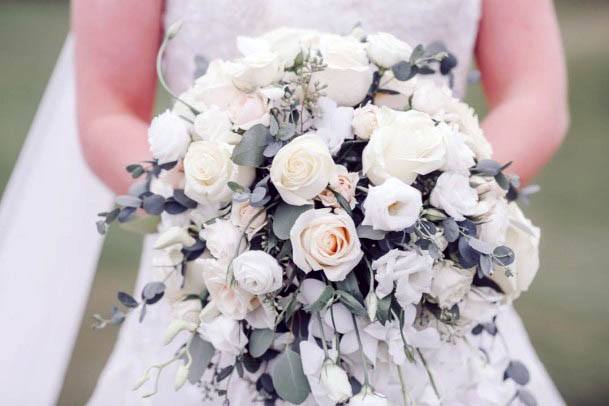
(385, 50)
(336, 382)
(230, 300)
(208, 168)
(368, 397)
(450, 283)
(344, 183)
(364, 121)
(225, 334)
(454, 195)
(523, 238)
(244, 215)
(257, 272)
(222, 238)
(348, 74)
(392, 206)
(258, 69)
(168, 137)
(322, 240)
(302, 169)
(334, 124)
(214, 125)
(405, 145)
(411, 272)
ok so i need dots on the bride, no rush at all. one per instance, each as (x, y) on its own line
(517, 49)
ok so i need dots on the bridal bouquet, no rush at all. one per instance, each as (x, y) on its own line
(333, 229)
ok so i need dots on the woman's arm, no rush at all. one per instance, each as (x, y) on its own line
(523, 71)
(116, 45)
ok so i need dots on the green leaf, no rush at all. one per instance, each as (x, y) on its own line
(142, 225)
(201, 352)
(284, 218)
(417, 53)
(382, 311)
(368, 233)
(322, 300)
(349, 284)
(235, 187)
(351, 303)
(402, 71)
(344, 204)
(289, 379)
(260, 341)
(249, 152)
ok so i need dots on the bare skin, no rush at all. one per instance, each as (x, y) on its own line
(518, 51)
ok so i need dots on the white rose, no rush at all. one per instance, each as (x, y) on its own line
(334, 124)
(343, 183)
(348, 74)
(431, 98)
(222, 238)
(287, 43)
(258, 69)
(523, 238)
(257, 272)
(214, 125)
(208, 168)
(249, 109)
(168, 137)
(450, 283)
(368, 397)
(244, 215)
(386, 50)
(335, 381)
(411, 272)
(225, 334)
(302, 169)
(322, 240)
(364, 121)
(392, 206)
(404, 146)
(454, 195)
(230, 300)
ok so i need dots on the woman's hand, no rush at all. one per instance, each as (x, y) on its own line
(116, 46)
(523, 71)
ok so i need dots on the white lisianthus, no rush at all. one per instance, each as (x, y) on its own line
(450, 283)
(230, 300)
(392, 206)
(225, 334)
(334, 124)
(385, 50)
(368, 397)
(168, 137)
(208, 168)
(454, 195)
(344, 183)
(258, 69)
(364, 121)
(411, 272)
(222, 238)
(523, 238)
(302, 169)
(347, 74)
(495, 223)
(257, 272)
(336, 382)
(245, 215)
(322, 240)
(459, 157)
(214, 125)
(469, 127)
(405, 144)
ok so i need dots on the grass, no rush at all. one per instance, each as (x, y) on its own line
(566, 311)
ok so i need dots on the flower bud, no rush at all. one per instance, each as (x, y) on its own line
(372, 303)
(334, 379)
(368, 397)
(181, 376)
(173, 29)
(175, 327)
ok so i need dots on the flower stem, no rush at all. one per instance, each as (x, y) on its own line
(429, 374)
(361, 351)
(323, 335)
(405, 396)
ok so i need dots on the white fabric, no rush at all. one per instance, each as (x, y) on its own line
(48, 247)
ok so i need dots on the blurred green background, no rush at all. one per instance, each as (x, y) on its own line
(567, 309)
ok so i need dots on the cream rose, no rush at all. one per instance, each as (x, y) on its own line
(405, 145)
(225, 334)
(302, 169)
(208, 168)
(455, 196)
(322, 240)
(450, 283)
(343, 183)
(348, 74)
(523, 238)
(222, 238)
(244, 215)
(385, 50)
(214, 125)
(258, 69)
(257, 272)
(364, 121)
(168, 137)
(392, 206)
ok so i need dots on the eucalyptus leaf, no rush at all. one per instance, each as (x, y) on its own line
(180, 197)
(468, 257)
(128, 201)
(126, 214)
(260, 341)
(351, 303)
(224, 373)
(127, 300)
(286, 131)
(481, 246)
(249, 151)
(153, 204)
(451, 229)
(289, 379)
(526, 397)
(369, 233)
(153, 292)
(235, 187)
(201, 352)
(284, 217)
(502, 181)
(402, 71)
(503, 255)
(517, 372)
(486, 265)
(487, 167)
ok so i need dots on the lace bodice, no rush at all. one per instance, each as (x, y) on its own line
(211, 26)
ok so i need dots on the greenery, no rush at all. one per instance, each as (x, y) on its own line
(566, 309)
